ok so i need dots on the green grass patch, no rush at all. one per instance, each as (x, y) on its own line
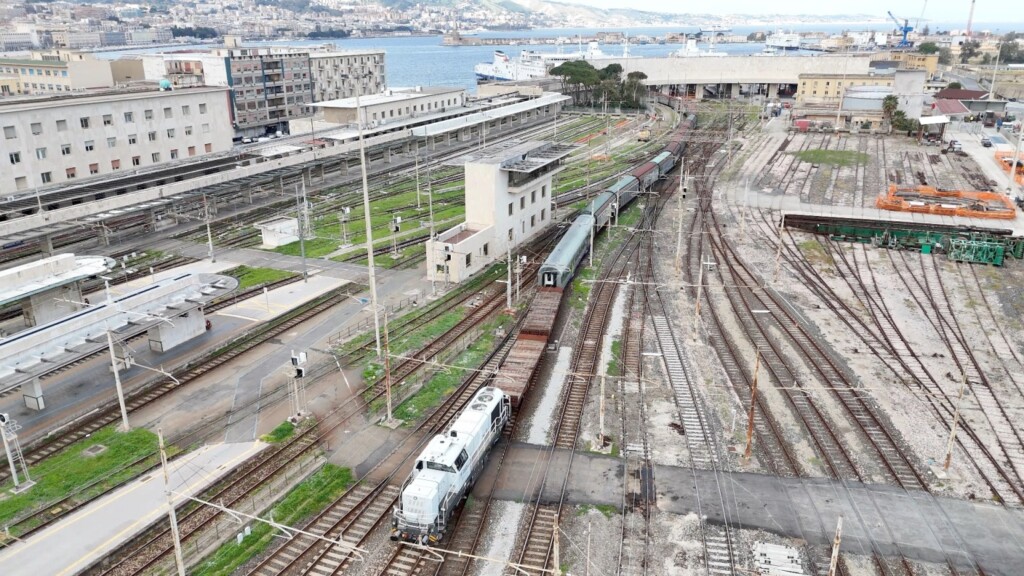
(833, 157)
(607, 509)
(249, 277)
(815, 253)
(72, 473)
(613, 364)
(581, 286)
(444, 383)
(283, 431)
(309, 497)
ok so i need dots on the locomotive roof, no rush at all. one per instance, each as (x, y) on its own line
(578, 232)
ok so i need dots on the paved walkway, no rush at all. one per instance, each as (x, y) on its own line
(94, 531)
(889, 519)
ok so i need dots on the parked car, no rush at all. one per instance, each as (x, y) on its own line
(986, 142)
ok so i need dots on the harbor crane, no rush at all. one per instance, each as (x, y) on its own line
(905, 28)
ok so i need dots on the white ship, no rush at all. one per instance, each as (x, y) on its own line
(532, 64)
(690, 50)
(783, 41)
(715, 29)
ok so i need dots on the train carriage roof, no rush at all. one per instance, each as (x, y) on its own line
(623, 182)
(562, 255)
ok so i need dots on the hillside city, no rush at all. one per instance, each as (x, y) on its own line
(386, 288)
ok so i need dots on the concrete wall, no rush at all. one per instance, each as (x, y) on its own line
(90, 74)
(187, 325)
(737, 69)
(127, 70)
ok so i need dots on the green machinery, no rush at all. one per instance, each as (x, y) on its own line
(961, 244)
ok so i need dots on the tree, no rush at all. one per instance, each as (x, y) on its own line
(611, 72)
(986, 59)
(890, 104)
(928, 48)
(969, 50)
(954, 86)
(945, 56)
(633, 87)
(577, 75)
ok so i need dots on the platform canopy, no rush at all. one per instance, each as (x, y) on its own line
(23, 281)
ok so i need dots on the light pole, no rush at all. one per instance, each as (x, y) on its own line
(366, 214)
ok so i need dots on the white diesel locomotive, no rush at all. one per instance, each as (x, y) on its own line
(447, 467)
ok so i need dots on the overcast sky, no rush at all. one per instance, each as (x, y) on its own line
(935, 11)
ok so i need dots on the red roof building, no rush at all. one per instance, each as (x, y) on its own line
(960, 94)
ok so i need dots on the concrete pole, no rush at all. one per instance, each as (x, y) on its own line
(992, 85)
(117, 382)
(679, 231)
(369, 236)
(171, 516)
(417, 145)
(301, 214)
(600, 414)
(387, 366)
(591, 246)
(753, 402)
(209, 233)
(833, 566)
(956, 419)
(696, 308)
(1016, 159)
(778, 257)
(554, 544)
(508, 279)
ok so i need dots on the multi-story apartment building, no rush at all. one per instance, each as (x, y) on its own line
(57, 72)
(46, 141)
(343, 74)
(271, 86)
(268, 86)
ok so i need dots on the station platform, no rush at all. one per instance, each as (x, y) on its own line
(94, 531)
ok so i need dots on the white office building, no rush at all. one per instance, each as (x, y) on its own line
(508, 202)
(49, 141)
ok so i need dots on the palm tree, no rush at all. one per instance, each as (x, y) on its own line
(889, 105)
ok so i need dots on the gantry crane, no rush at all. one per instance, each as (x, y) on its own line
(905, 28)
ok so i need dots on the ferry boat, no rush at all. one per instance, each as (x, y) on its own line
(690, 50)
(783, 41)
(532, 64)
(715, 29)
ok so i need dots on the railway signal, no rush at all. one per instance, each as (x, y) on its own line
(9, 432)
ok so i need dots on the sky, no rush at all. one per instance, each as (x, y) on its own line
(935, 10)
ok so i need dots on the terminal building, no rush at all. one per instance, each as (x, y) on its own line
(52, 141)
(508, 202)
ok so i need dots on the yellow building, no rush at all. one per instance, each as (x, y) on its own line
(912, 60)
(818, 88)
(57, 72)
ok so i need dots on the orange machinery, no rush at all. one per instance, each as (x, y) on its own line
(930, 200)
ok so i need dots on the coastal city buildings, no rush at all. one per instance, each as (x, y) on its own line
(50, 141)
(56, 72)
(273, 85)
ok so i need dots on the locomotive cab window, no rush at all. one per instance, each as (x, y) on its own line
(461, 460)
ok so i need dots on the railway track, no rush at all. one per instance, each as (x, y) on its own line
(146, 394)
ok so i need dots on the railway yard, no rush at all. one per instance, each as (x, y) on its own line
(706, 391)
